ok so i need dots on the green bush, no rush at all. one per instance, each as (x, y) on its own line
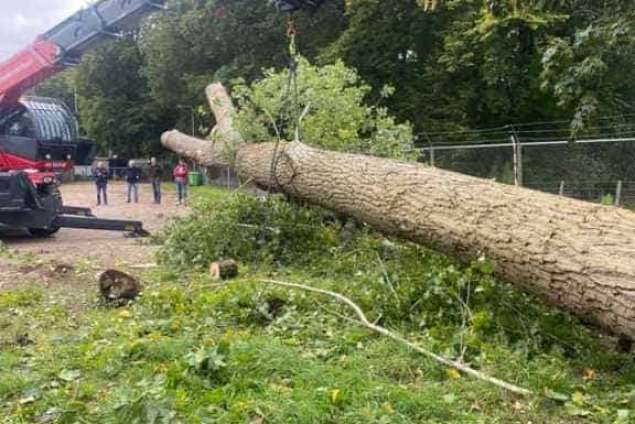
(338, 119)
(248, 229)
(607, 200)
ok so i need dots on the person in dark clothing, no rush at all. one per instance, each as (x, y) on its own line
(155, 172)
(133, 175)
(101, 181)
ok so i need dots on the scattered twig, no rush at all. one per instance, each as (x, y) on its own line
(466, 315)
(258, 227)
(388, 280)
(304, 113)
(273, 123)
(363, 320)
(244, 184)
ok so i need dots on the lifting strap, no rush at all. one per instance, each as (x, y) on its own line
(290, 101)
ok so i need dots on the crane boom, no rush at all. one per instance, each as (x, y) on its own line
(67, 42)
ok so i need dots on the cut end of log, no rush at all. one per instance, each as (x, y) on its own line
(223, 270)
(166, 136)
(216, 93)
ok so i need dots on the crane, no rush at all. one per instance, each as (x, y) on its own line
(39, 137)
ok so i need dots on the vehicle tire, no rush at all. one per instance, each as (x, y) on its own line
(53, 191)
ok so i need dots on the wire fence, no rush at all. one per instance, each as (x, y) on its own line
(595, 164)
(619, 193)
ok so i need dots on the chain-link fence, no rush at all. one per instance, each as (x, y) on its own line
(620, 193)
(597, 167)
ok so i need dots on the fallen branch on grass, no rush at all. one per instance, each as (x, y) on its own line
(363, 321)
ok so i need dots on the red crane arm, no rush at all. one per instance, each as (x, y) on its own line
(27, 69)
(66, 43)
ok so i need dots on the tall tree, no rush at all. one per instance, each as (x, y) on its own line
(488, 63)
(391, 43)
(115, 104)
(197, 41)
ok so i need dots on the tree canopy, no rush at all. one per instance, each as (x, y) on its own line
(336, 117)
(453, 68)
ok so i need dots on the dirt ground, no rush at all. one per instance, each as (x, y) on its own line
(102, 248)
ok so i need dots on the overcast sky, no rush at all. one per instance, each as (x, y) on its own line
(22, 20)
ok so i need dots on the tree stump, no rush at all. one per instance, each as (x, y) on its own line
(118, 287)
(223, 270)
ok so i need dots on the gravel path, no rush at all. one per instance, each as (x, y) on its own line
(102, 248)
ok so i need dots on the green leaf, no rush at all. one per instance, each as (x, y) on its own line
(576, 411)
(561, 397)
(450, 398)
(69, 375)
(578, 398)
(623, 414)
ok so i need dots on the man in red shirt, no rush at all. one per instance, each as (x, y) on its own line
(180, 174)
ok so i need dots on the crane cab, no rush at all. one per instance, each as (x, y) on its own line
(41, 134)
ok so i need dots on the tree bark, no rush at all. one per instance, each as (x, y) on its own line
(575, 255)
(118, 287)
(223, 270)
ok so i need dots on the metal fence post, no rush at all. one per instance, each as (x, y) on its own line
(618, 193)
(518, 157)
(561, 190)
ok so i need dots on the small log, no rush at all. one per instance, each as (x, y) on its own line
(118, 287)
(223, 270)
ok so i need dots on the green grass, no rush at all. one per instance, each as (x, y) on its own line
(191, 350)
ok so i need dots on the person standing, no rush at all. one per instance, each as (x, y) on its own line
(155, 172)
(133, 175)
(180, 173)
(101, 181)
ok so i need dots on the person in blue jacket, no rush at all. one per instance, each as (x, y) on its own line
(133, 175)
(101, 181)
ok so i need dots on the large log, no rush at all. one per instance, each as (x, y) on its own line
(574, 254)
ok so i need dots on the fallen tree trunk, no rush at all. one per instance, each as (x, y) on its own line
(576, 255)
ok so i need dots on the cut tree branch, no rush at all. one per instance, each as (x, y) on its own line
(363, 321)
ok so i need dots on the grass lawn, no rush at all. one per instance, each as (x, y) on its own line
(192, 350)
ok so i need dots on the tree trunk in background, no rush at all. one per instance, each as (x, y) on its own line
(576, 255)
